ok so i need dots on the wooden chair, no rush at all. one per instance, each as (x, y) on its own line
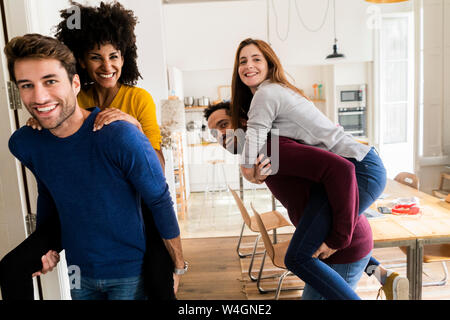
(409, 179)
(442, 192)
(272, 219)
(276, 252)
(431, 253)
(448, 198)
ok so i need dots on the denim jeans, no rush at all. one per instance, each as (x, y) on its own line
(315, 225)
(350, 272)
(110, 289)
(371, 177)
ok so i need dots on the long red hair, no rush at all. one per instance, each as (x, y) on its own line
(241, 96)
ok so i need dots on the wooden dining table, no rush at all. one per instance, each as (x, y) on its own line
(430, 226)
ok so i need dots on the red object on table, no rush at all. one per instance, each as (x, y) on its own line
(405, 209)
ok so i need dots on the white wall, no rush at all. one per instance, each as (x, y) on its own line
(202, 39)
(149, 34)
(151, 48)
(198, 83)
(205, 35)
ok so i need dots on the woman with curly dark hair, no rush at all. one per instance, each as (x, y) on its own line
(105, 50)
(106, 53)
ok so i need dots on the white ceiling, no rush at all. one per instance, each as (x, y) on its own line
(193, 1)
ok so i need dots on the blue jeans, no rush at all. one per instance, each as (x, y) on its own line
(110, 289)
(371, 177)
(315, 225)
(350, 272)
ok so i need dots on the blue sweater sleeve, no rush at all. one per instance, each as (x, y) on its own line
(46, 207)
(133, 153)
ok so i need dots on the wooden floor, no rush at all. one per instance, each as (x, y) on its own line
(215, 273)
(214, 270)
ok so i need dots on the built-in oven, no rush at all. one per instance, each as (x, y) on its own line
(353, 120)
(352, 109)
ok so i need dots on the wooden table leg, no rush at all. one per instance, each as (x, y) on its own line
(419, 269)
(411, 269)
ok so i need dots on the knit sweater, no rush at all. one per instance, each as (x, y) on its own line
(136, 102)
(302, 166)
(275, 107)
(95, 180)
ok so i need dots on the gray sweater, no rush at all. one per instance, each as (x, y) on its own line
(276, 107)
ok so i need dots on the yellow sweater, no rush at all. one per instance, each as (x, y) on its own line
(134, 101)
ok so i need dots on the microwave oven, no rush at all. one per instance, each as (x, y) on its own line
(353, 96)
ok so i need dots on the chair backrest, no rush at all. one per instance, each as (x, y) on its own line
(409, 179)
(264, 234)
(241, 207)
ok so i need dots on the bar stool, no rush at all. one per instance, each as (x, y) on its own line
(212, 185)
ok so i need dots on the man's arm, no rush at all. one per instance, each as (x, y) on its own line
(142, 168)
(176, 253)
(260, 171)
(47, 214)
(48, 219)
(175, 250)
(161, 159)
(249, 174)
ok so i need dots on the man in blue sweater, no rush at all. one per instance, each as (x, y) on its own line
(93, 180)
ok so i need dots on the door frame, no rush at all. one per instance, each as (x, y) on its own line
(17, 19)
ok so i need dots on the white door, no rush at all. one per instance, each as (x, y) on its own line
(12, 201)
(18, 190)
(396, 83)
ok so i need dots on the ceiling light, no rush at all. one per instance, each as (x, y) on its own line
(335, 54)
(385, 1)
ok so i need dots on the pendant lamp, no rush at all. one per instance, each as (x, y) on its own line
(385, 1)
(335, 53)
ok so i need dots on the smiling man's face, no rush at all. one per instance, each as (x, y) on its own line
(219, 122)
(46, 90)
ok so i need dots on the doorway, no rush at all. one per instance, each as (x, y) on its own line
(18, 190)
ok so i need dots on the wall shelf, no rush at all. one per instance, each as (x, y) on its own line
(194, 108)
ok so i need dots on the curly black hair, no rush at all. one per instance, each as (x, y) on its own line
(214, 107)
(109, 23)
(226, 105)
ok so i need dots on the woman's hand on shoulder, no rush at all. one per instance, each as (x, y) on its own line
(259, 172)
(32, 122)
(262, 169)
(110, 115)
